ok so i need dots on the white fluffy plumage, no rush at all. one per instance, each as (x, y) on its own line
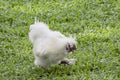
(50, 47)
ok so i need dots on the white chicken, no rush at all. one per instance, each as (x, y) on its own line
(50, 47)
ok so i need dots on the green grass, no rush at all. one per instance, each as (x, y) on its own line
(96, 24)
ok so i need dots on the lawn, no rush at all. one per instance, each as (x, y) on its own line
(96, 24)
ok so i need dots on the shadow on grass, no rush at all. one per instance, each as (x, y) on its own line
(54, 71)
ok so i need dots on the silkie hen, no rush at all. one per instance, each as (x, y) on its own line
(50, 47)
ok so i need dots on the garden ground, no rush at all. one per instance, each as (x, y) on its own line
(96, 24)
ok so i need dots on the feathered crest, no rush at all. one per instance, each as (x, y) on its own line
(36, 20)
(72, 36)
